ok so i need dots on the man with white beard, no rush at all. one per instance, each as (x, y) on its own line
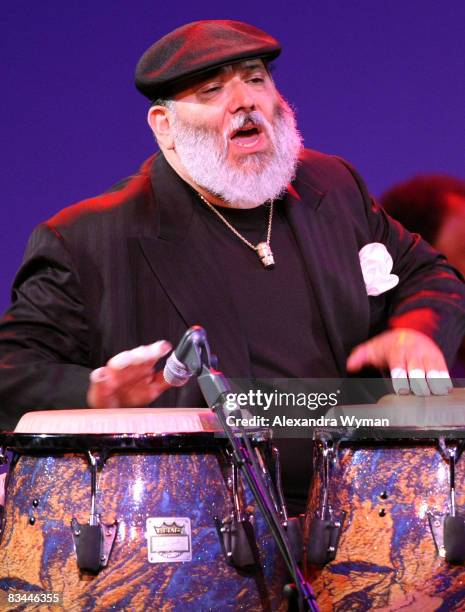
(253, 176)
(233, 226)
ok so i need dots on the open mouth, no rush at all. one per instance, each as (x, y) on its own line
(246, 136)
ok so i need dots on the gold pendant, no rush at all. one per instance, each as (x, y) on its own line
(265, 254)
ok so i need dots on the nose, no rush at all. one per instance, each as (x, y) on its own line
(241, 97)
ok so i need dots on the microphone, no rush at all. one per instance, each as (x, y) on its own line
(188, 357)
(192, 357)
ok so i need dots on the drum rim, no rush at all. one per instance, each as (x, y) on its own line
(173, 441)
(389, 435)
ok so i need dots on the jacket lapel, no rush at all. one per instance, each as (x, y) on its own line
(182, 260)
(330, 254)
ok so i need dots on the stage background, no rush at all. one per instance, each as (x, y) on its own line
(381, 83)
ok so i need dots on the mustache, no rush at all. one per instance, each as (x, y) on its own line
(248, 119)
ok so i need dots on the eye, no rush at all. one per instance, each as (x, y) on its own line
(211, 89)
(256, 79)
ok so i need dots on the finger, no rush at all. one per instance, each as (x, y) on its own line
(400, 381)
(362, 355)
(149, 354)
(131, 366)
(418, 384)
(101, 393)
(437, 375)
(99, 376)
(424, 356)
(120, 361)
(141, 355)
(158, 349)
(439, 382)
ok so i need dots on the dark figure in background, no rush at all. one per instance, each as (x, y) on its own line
(190, 239)
(433, 205)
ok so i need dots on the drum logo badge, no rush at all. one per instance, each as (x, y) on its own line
(169, 539)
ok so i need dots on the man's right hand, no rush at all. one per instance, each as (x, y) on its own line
(129, 379)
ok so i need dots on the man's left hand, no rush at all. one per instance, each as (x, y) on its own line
(415, 361)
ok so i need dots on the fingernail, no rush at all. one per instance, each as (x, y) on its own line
(416, 373)
(99, 375)
(120, 361)
(139, 355)
(159, 348)
(445, 375)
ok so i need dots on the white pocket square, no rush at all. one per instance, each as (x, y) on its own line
(376, 264)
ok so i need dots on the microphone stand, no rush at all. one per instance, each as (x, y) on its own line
(215, 388)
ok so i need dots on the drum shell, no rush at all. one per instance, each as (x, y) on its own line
(387, 557)
(133, 485)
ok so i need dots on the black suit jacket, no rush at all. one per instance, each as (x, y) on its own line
(134, 265)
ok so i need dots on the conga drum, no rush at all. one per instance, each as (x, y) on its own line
(385, 522)
(125, 509)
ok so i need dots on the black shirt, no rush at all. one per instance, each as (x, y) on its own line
(279, 315)
(276, 307)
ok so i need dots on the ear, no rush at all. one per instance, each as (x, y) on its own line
(160, 120)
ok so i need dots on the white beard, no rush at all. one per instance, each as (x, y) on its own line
(254, 178)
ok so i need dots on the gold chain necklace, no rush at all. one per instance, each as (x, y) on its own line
(263, 249)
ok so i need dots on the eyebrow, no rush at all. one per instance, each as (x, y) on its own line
(245, 66)
(252, 64)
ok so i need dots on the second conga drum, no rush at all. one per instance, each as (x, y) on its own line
(375, 523)
(160, 497)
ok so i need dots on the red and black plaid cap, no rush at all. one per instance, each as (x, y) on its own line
(197, 47)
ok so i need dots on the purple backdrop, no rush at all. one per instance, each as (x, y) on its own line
(380, 83)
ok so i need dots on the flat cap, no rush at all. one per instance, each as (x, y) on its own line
(197, 47)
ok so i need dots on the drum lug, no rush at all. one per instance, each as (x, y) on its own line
(279, 487)
(326, 526)
(93, 544)
(436, 524)
(93, 541)
(295, 537)
(292, 525)
(323, 539)
(449, 529)
(454, 539)
(236, 532)
(108, 535)
(448, 533)
(238, 542)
